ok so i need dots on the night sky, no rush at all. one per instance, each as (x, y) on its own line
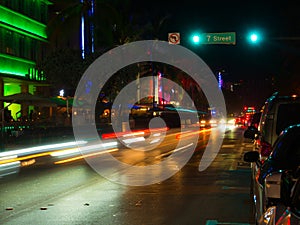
(243, 60)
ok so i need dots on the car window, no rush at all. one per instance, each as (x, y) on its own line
(288, 114)
(255, 119)
(263, 118)
(286, 153)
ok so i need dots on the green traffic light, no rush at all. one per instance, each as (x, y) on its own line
(254, 37)
(195, 38)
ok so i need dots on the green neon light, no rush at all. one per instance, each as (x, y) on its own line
(10, 89)
(22, 32)
(46, 2)
(22, 22)
(14, 65)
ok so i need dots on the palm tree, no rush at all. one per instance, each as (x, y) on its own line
(107, 24)
(97, 22)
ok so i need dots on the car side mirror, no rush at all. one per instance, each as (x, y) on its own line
(252, 156)
(251, 132)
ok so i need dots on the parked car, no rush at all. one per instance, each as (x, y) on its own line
(239, 121)
(255, 119)
(274, 178)
(278, 112)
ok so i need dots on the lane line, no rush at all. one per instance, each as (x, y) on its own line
(215, 222)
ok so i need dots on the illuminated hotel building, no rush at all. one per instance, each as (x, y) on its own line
(22, 42)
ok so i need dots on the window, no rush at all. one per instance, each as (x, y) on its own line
(8, 42)
(288, 114)
(43, 12)
(6, 3)
(22, 46)
(286, 151)
(33, 51)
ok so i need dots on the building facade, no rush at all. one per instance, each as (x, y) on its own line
(23, 41)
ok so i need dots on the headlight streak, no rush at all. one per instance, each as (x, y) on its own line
(42, 148)
(134, 134)
(137, 136)
(24, 157)
(191, 133)
(8, 157)
(16, 156)
(77, 154)
(65, 152)
(9, 168)
(76, 151)
(17, 163)
(133, 140)
(155, 140)
(97, 147)
(87, 155)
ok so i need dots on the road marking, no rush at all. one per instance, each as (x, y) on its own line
(228, 146)
(215, 222)
(175, 150)
(240, 164)
(236, 188)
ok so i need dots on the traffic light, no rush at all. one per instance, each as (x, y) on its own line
(254, 37)
(196, 38)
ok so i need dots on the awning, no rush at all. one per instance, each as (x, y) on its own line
(62, 101)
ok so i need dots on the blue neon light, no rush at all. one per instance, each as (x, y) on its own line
(82, 35)
(220, 79)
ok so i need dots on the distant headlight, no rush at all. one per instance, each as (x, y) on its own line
(222, 121)
(202, 123)
(213, 123)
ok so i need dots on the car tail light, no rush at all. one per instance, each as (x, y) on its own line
(265, 149)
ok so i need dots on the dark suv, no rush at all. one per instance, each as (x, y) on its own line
(278, 113)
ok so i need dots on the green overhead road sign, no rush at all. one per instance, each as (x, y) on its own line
(218, 38)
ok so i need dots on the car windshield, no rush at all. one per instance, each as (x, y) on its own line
(288, 114)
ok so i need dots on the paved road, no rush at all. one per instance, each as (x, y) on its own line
(73, 193)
